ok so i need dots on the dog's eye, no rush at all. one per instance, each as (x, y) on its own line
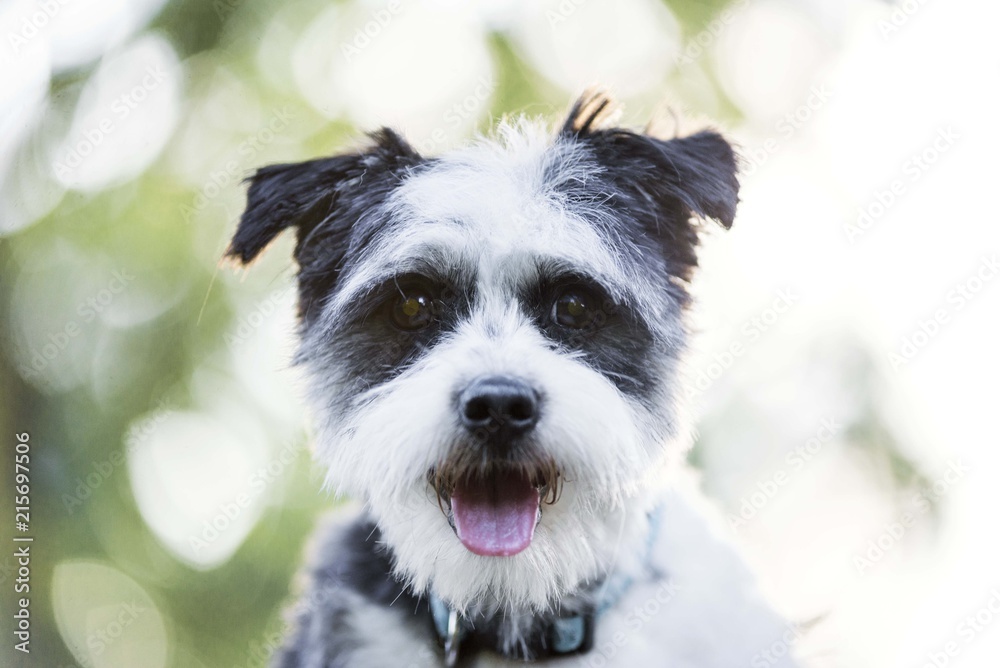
(413, 310)
(576, 308)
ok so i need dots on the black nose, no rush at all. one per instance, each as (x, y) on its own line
(501, 405)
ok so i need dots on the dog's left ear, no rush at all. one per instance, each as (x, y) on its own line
(316, 193)
(325, 201)
(680, 177)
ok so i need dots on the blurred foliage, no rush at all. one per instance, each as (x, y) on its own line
(227, 615)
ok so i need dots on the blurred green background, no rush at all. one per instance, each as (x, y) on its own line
(172, 490)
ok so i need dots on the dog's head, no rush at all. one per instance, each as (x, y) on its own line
(493, 335)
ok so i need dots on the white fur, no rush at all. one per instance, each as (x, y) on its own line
(703, 612)
(383, 453)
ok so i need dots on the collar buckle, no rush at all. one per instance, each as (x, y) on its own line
(452, 640)
(449, 629)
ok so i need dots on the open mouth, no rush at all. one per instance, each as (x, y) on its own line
(494, 513)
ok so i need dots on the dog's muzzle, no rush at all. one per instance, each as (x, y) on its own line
(492, 484)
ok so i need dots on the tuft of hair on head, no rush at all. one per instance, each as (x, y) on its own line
(595, 109)
(697, 172)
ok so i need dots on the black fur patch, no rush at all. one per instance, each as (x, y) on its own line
(659, 184)
(352, 559)
(617, 343)
(370, 351)
(331, 202)
(364, 564)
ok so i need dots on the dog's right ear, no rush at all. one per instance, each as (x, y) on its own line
(666, 184)
(306, 195)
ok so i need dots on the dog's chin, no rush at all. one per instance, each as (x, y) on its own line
(514, 546)
(494, 509)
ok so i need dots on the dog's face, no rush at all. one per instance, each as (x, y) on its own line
(492, 338)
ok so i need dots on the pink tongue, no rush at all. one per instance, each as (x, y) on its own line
(495, 517)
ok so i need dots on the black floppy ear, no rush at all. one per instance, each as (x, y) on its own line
(701, 170)
(697, 172)
(305, 194)
(286, 195)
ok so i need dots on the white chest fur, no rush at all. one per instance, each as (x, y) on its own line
(697, 609)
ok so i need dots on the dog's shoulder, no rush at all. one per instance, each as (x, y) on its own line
(352, 555)
(701, 599)
(348, 602)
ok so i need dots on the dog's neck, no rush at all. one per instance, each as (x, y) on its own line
(620, 536)
(566, 629)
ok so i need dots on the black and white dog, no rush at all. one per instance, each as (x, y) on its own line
(493, 339)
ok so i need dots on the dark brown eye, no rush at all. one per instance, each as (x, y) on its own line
(412, 310)
(576, 308)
